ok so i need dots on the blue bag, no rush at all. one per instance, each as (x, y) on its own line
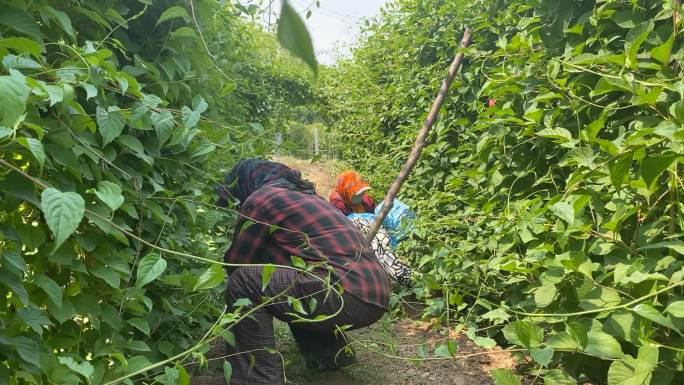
(398, 221)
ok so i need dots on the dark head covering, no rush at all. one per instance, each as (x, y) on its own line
(252, 174)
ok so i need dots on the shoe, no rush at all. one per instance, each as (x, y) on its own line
(331, 361)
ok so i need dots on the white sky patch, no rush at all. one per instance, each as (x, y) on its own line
(335, 26)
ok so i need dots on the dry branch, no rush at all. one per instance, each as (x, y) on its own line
(420, 139)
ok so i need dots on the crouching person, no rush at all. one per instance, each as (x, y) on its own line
(281, 217)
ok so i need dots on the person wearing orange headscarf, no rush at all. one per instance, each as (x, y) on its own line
(350, 194)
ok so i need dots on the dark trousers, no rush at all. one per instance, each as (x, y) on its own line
(254, 335)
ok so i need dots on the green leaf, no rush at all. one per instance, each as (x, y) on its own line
(27, 349)
(14, 94)
(55, 93)
(140, 324)
(599, 298)
(484, 342)
(85, 368)
(51, 288)
(676, 246)
(266, 276)
(505, 376)
(183, 376)
(543, 356)
(544, 295)
(110, 123)
(62, 19)
(662, 52)
(35, 318)
(63, 213)
(619, 169)
(20, 21)
(524, 333)
(22, 45)
(107, 274)
(174, 13)
(150, 268)
(677, 111)
(293, 35)
(653, 166)
(183, 32)
(298, 262)
(676, 309)
(560, 134)
(13, 259)
(562, 340)
(564, 211)
(110, 194)
(602, 344)
(227, 371)
(190, 117)
(443, 351)
(650, 313)
(212, 277)
(36, 148)
(635, 38)
(170, 376)
(5, 132)
(558, 377)
(15, 284)
(630, 371)
(163, 125)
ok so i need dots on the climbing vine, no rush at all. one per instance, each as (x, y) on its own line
(550, 196)
(116, 118)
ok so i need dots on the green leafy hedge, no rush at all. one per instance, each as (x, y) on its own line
(555, 215)
(115, 118)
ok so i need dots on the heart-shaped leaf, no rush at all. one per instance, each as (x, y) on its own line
(150, 268)
(63, 212)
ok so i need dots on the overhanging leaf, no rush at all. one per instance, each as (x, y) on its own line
(294, 36)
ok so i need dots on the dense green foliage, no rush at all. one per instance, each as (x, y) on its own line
(115, 119)
(555, 215)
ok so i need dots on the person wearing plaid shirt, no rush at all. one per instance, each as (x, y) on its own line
(282, 220)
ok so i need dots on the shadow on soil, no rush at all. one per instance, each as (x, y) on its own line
(387, 354)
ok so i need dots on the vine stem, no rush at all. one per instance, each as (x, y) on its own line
(420, 139)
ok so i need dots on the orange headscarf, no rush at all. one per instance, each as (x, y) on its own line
(347, 185)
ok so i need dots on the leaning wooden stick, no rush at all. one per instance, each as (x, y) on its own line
(420, 139)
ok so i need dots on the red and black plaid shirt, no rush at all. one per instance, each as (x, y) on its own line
(306, 226)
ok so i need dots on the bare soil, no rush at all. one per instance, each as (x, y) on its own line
(387, 353)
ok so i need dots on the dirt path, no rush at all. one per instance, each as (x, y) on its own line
(321, 173)
(387, 352)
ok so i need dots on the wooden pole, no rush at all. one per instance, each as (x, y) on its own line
(420, 139)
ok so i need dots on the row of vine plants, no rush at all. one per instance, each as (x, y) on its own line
(116, 120)
(550, 195)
